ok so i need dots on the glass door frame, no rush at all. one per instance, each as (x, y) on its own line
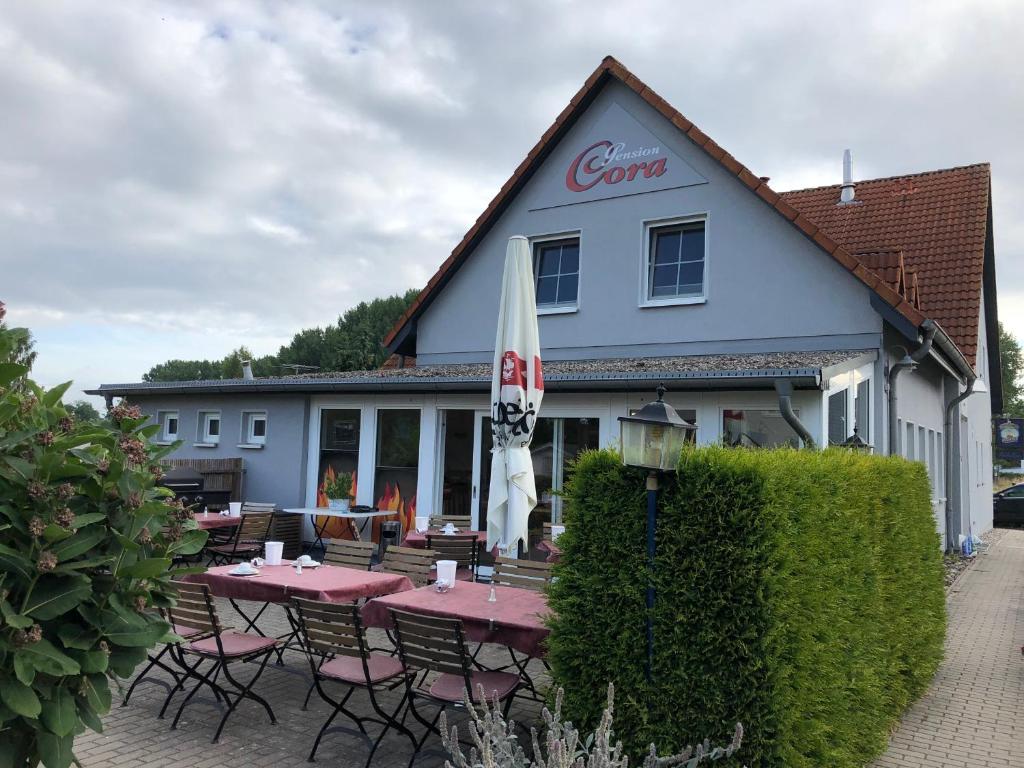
(480, 442)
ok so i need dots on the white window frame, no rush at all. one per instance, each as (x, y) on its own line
(247, 438)
(645, 299)
(163, 417)
(869, 411)
(204, 438)
(850, 381)
(558, 309)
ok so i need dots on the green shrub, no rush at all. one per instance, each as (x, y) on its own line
(86, 543)
(798, 592)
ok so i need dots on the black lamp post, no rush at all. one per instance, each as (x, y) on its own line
(652, 438)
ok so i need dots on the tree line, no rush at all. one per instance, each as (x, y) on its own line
(352, 343)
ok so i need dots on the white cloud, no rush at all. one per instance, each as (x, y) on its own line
(177, 179)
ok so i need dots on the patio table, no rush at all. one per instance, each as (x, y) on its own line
(279, 583)
(516, 620)
(208, 522)
(354, 516)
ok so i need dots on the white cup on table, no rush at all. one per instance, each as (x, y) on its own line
(446, 572)
(422, 523)
(274, 550)
(235, 508)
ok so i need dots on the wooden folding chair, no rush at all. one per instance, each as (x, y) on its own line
(248, 541)
(522, 574)
(194, 607)
(525, 574)
(463, 549)
(437, 645)
(338, 652)
(414, 563)
(350, 554)
(462, 522)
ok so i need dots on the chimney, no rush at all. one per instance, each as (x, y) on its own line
(846, 195)
(247, 370)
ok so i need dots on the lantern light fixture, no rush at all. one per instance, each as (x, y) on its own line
(653, 436)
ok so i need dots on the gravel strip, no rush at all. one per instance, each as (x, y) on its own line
(956, 563)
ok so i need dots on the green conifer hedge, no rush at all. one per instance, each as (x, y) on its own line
(798, 592)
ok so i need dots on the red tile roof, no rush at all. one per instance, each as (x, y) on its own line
(936, 221)
(828, 233)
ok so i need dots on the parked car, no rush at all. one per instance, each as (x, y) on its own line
(1008, 506)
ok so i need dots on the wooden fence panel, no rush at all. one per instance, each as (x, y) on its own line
(218, 474)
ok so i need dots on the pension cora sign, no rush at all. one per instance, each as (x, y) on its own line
(617, 155)
(605, 162)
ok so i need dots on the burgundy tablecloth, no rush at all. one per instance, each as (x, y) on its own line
(279, 583)
(419, 540)
(554, 553)
(207, 522)
(517, 615)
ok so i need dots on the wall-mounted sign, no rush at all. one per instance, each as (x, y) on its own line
(1009, 433)
(619, 156)
(1009, 439)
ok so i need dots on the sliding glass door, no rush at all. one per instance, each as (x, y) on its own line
(556, 442)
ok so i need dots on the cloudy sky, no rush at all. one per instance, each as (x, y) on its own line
(177, 179)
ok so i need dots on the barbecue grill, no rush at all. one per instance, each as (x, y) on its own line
(189, 485)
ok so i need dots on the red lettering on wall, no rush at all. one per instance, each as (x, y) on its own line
(595, 164)
(572, 175)
(657, 168)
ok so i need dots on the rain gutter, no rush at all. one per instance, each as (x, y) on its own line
(785, 389)
(908, 362)
(803, 378)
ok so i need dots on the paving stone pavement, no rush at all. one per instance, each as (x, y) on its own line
(973, 714)
(133, 736)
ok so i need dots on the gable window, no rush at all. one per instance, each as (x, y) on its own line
(168, 421)
(556, 269)
(209, 428)
(254, 429)
(675, 253)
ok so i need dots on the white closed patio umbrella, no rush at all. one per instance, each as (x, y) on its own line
(517, 388)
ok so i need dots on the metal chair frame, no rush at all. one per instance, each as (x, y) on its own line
(155, 662)
(522, 574)
(194, 607)
(434, 644)
(463, 549)
(329, 630)
(248, 541)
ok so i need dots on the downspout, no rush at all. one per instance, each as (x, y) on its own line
(947, 430)
(785, 389)
(909, 361)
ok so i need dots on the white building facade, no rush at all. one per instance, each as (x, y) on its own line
(771, 319)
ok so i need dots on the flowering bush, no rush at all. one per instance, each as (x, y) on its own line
(495, 744)
(86, 544)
